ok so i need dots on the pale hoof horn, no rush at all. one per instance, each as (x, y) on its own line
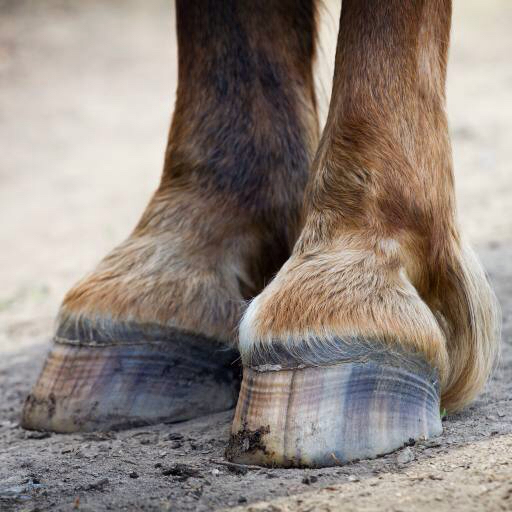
(134, 375)
(356, 408)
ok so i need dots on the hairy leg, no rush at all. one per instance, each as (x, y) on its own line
(381, 306)
(144, 336)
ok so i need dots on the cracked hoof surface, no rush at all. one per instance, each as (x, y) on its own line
(362, 406)
(129, 375)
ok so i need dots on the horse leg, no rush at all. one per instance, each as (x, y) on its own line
(382, 314)
(145, 337)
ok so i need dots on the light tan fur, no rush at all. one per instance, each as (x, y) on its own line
(182, 267)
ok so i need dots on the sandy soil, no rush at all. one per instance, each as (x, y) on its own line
(86, 95)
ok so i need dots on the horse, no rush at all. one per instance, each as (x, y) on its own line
(330, 263)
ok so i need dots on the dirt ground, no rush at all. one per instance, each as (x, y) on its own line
(86, 92)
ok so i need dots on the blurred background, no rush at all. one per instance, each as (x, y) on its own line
(86, 97)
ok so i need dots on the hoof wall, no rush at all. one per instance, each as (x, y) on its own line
(106, 386)
(330, 415)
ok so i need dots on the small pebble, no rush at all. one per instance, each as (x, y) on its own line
(38, 435)
(238, 470)
(133, 474)
(181, 471)
(405, 456)
(310, 479)
(99, 484)
(174, 436)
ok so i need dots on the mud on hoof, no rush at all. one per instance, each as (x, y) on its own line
(129, 375)
(353, 401)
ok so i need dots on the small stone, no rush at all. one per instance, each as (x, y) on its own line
(196, 493)
(353, 478)
(238, 469)
(98, 485)
(8, 424)
(133, 474)
(310, 479)
(174, 436)
(35, 434)
(181, 471)
(405, 456)
(242, 499)
(215, 472)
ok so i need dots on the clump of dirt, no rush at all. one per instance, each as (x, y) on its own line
(246, 441)
(181, 471)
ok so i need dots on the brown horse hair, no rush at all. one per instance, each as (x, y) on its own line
(228, 208)
(380, 256)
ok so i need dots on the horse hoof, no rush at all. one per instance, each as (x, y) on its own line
(292, 415)
(129, 375)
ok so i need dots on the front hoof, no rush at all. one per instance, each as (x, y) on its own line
(129, 375)
(327, 415)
